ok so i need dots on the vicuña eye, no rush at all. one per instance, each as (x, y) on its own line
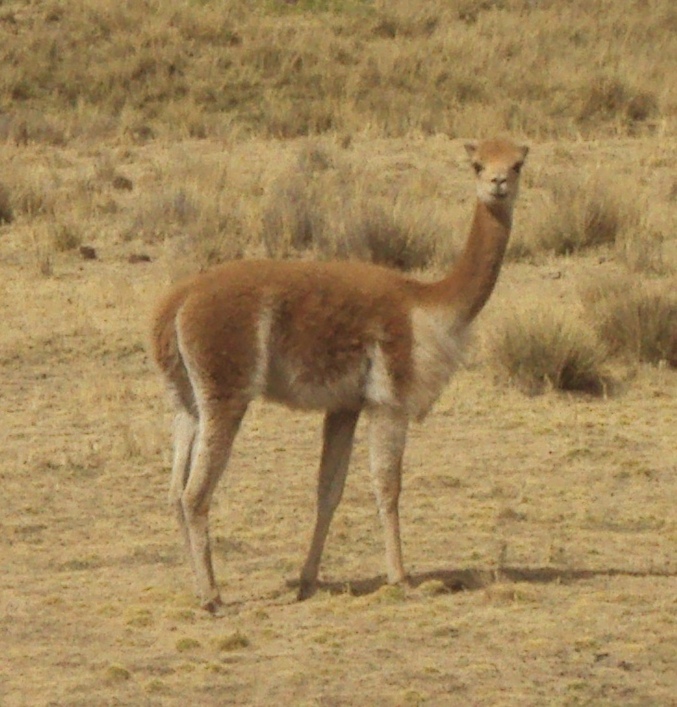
(477, 167)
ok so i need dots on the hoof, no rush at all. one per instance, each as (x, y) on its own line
(214, 606)
(306, 590)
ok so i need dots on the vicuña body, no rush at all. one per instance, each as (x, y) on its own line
(341, 337)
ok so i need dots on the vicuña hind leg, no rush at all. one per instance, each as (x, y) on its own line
(339, 430)
(215, 438)
(387, 438)
(185, 429)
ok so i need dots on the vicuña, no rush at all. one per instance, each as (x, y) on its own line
(341, 337)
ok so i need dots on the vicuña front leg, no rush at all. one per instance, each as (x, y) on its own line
(214, 442)
(339, 430)
(387, 438)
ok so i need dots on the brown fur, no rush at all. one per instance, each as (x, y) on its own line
(325, 316)
(338, 336)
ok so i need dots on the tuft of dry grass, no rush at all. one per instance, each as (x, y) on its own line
(539, 349)
(185, 644)
(612, 99)
(232, 642)
(636, 319)
(34, 196)
(199, 211)
(6, 211)
(581, 214)
(385, 233)
(42, 250)
(503, 592)
(65, 236)
(304, 202)
(117, 673)
(325, 205)
(642, 250)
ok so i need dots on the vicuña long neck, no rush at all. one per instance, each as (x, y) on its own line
(471, 280)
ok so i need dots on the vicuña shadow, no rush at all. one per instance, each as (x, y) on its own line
(476, 578)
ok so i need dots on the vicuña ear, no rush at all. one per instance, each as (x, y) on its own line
(470, 148)
(524, 149)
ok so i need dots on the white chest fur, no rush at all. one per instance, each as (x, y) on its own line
(438, 351)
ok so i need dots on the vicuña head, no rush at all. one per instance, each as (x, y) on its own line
(341, 337)
(497, 166)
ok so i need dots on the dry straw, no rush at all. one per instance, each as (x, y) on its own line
(324, 205)
(636, 318)
(291, 69)
(546, 348)
(580, 214)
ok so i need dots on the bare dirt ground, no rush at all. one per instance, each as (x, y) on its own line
(540, 532)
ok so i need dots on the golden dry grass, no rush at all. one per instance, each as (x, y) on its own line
(135, 71)
(324, 204)
(636, 319)
(538, 348)
(540, 531)
(583, 213)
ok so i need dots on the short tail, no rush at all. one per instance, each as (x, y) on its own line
(166, 351)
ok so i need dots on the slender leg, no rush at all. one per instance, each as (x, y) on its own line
(339, 430)
(185, 429)
(215, 438)
(387, 439)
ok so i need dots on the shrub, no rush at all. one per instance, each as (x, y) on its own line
(540, 348)
(635, 319)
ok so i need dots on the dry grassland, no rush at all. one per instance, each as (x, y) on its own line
(139, 69)
(539, 529)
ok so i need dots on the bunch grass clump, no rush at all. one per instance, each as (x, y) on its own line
(642, 250)
(298, 208)
(581, 215)
(198, 210)
(233, 642)
(613, 99)
(43, 250)
(386, 233)
(34, 196)
(322, 205)
(6, 210)
(541, 348)
(636, 319)
(65, 235)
